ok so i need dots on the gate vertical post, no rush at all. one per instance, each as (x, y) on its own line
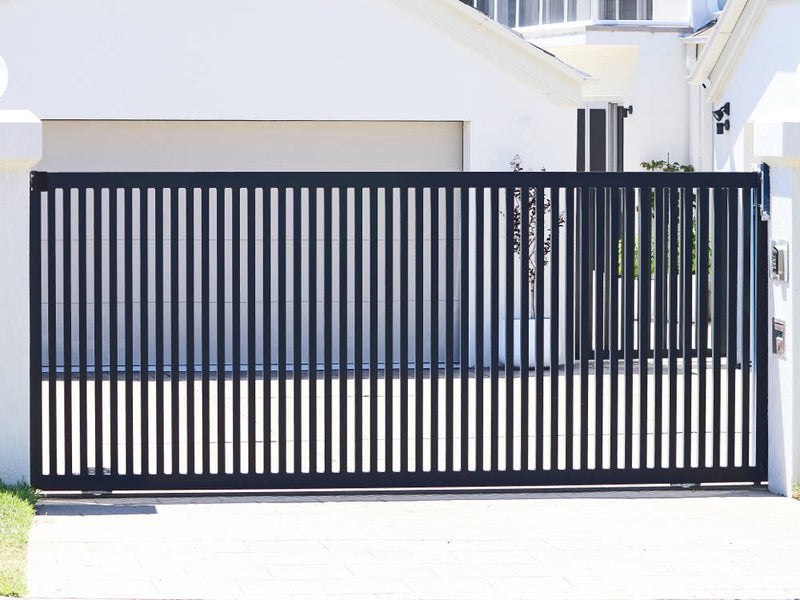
(20, 149)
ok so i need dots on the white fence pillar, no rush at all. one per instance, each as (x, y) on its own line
(20, 149)
(778, 144)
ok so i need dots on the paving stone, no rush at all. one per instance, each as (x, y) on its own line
(594, 545)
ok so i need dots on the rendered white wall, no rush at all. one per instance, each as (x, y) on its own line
(701, 122)
(20, 148)
(659, 95)
(278, 61)
(784, 302)
(639, 68)
(549, 145)
(672, 11)
(763, 89)
(764, 85)
(703, 11)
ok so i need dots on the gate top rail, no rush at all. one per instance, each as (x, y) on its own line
(43, 180)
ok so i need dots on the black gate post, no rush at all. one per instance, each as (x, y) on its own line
(38, 186)
(760, 265)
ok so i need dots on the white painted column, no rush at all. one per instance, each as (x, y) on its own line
(778, 144)
(20, 149)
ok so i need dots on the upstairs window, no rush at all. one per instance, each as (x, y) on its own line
(625, 10)
(527, 13)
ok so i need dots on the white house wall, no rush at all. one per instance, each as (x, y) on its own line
(350, 60)
(759, 74)
(640, 68)
(765, 84)
(659, 95)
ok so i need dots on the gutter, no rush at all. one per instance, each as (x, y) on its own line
(718, 41)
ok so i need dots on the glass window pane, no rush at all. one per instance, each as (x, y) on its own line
(555, 11)
(608, 10)
(582, 8)
(528, 12)
(597, 140)
(501, 14)
(627, 10)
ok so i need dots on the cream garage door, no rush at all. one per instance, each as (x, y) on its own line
(252, 146)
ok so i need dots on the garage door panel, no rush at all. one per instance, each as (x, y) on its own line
(252, 146)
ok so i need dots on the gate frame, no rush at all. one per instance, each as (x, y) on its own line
(435, 479)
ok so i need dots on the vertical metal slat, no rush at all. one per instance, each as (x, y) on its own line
(144, 329)
(464, 394)
(159, 333)
(251, 328)
(36, 321)
(205, 320)
(374, 337)
(434, 329)
(344, 439)
(297, 330)
(358, 327)
(659, 310)
(494, 341)
(419, 329)
(732, 291)
(687, 233)
(448, 327)
(527, 202)
(175, 340)
(388, 325)
(508, 286)
(614, 321)
(644, 323)
(236, 326)
(569, 330)
(404, 409)
(313, 434)
(701, 322)
(555, 290)
(480, 251)
(672, 365)
(191, 401)
(220, 331)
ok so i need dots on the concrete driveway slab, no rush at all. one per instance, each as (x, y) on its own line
(653, 545)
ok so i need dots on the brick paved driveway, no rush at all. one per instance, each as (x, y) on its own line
(588, 545)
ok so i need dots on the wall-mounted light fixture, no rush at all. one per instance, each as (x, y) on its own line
(720, 114)
(722, 111)
(626, 112)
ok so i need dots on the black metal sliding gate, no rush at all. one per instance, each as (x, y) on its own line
(352, 330)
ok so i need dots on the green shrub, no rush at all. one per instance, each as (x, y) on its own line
(664, 166)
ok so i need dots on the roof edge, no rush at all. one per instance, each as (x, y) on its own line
(558, 81)
(733, 30)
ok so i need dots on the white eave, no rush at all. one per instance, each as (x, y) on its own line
(724, 48)
(552, 77)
